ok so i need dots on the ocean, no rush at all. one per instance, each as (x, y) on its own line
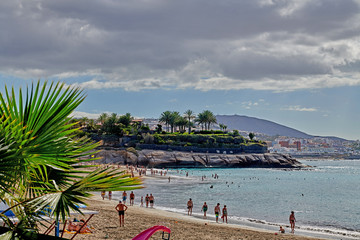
(325, 197)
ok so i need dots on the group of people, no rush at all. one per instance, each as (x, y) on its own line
(204, 209)
(103, 195)
(132, 197)
(148, 200)
(121, 207)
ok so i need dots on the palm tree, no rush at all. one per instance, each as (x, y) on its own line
(40, 158)
(174, 116)
(207, 118)
(181, 122)
(165, 118)
(102, 118)
(201, 120)
(189, 115)
(125, 119)
(223, 127)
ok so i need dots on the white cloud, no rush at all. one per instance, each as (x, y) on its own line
(299, 109)
(255, 44)
(77, 114)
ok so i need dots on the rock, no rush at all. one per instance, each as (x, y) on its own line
(172, 159)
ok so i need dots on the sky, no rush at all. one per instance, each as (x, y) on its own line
(294, 62)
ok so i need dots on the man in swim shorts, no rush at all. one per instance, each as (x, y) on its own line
(190, 206)
(124, 195)
(151, 199)
(132, 197)
(217, 212)
(121, 208)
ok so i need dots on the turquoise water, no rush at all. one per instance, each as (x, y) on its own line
(325, 198)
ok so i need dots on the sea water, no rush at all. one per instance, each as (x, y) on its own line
(325, 197)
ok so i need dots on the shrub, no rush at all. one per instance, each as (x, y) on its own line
(132, 150)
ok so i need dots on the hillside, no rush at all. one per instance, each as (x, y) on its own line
(251, 124)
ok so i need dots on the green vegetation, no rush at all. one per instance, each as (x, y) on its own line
(209, 140)
(41, 156)
(178, 131)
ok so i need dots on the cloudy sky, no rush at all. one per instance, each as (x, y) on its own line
(295, 62)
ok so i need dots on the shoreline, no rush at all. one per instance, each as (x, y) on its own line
(143, 218)
(258, 224)
(106, 225)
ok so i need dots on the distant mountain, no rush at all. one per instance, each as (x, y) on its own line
(256, 125)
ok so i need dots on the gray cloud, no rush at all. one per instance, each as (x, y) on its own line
(186, 44)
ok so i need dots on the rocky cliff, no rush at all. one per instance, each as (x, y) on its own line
(171, 159)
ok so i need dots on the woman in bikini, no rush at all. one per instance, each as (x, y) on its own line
(292, 221)
(224, 214)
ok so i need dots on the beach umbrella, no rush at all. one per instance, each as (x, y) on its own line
(3, 207)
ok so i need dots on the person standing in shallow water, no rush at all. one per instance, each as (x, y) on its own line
(147, 199)
(124, 197)
(132, 197)
(190, 206)
(224, 214)
(217, 212)
(204, 209)
(292, 221)
(151, 200)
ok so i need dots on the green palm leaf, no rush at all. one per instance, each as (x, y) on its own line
(41, 156)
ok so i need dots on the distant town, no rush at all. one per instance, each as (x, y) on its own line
(300, 147)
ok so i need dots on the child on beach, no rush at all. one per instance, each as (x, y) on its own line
(217, 212)
(204, 209)
(281, 230)
(142, 201)
(110, 195)
(121, 208)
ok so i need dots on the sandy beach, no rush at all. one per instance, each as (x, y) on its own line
(105, 225)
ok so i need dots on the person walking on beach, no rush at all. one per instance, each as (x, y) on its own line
(124, 195)
(121, 208)
(224, 214)
(217, 212)
(132, 197)
(151, 200)
(190, 206)
(142, 201)
(292, 221)
(103, 194)
(147, 200)
(110, 195)
(204, 209)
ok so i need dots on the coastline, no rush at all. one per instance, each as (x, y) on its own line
(183, 227)
(137, 219)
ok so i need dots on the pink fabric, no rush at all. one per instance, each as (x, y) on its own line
(144, 235)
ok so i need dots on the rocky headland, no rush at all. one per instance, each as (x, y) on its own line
(173, 159)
